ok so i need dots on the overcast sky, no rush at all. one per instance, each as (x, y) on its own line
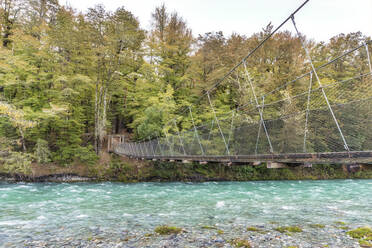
(319, 19)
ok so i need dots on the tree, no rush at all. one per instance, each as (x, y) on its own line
(114, 37)
(18, 120)
(10, 10)
(170, 42)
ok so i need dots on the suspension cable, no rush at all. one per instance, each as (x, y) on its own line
(321, 86)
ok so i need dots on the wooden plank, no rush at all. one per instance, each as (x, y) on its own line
(295, 158)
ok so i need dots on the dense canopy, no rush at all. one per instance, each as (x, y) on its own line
(68, 79)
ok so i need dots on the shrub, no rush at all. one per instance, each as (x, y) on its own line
(42, 152)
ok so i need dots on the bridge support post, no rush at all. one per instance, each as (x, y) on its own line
(275, 165)
(307, 165)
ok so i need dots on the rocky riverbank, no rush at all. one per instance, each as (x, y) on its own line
(265, 235)
(56, 178)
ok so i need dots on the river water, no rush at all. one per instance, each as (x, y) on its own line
(33, 214)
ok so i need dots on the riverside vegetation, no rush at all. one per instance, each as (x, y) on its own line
(132, 171)
(67, 79)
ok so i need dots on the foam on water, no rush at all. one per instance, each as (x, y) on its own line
(35, 209)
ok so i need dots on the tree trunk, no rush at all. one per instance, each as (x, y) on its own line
(22, 140)
(102, 126)
(96, 118)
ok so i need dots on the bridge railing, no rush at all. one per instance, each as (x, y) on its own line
(327, 109)
(294, 124)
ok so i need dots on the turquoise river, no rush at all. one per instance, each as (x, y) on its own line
(79, 214)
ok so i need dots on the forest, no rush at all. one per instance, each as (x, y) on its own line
(68, 79)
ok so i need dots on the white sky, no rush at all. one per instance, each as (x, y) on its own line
(319, 19)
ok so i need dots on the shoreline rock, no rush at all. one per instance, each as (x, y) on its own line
(55, 178)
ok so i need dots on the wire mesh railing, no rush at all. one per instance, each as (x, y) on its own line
(327, 109)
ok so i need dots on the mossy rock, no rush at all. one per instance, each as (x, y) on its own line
(208, 227)
(317, 225)
(364, 234)
(166, 230)
(360, 232)
(220, 232)
(341, 223)
(253, 229)
(240, 243)
(291, 229)
(365, 243)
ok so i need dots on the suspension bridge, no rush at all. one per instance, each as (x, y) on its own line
(317, 117)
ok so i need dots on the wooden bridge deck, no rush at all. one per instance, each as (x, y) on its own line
(355, 157)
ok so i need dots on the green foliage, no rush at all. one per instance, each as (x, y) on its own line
(86, 155)
(68, 154)
(14, 162)
(42, 152)
(18, 163)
